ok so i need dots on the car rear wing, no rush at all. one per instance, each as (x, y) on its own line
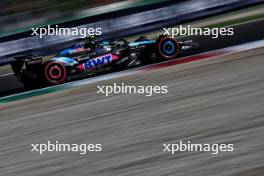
(24, 62)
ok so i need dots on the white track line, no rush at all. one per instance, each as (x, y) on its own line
(8, 74)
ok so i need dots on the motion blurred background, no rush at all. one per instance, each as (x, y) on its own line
(216, 100)
(23, 14)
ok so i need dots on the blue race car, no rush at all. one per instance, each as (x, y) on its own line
(91, 57)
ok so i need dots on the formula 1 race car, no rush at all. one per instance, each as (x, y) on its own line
(90, 57)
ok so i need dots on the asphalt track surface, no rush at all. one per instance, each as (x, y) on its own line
(217, 100)
(244, 33)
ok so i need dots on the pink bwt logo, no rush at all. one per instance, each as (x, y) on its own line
(98, 61)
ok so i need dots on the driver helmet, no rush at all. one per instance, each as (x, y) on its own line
(90, 42)
(91, 39)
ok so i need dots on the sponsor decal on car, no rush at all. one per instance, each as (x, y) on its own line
(96, 62)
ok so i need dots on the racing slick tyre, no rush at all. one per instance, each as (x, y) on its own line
(167, 47)
(55, 73)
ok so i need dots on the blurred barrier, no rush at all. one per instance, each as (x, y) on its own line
(20, 16)
(124, 25)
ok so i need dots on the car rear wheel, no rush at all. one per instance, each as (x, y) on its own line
(55, 73)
